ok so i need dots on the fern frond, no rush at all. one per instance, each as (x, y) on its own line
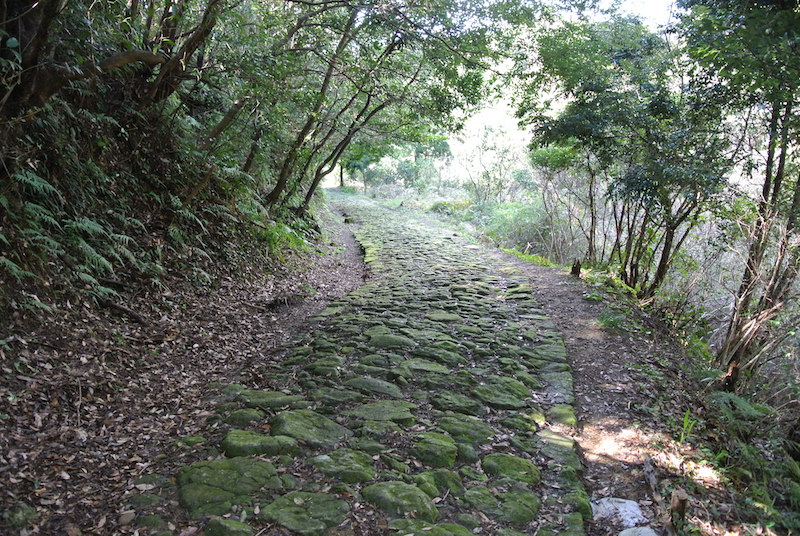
(33, 183)
(87, 226)
(15, 270)
(88, 279)
(40, 214)
(176, 235)
(51, 246)
(95, 260)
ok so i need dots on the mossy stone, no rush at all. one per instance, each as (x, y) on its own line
(401, 499)
(554, 352)
(519, 423)
(374, 386)
(211, 487)
(385, 410)
(370, 446)
(411, 367)
(503, 392)
(466, 429)
(412, 527)
(458, 403)
(326, 366)
(581, 501)
(218, 526)
(307, 514)
(512, 532)
(443, 316)
(309, 427)
(443, 356)
(435, 449)
(467, 453)
(244, 416)
(190, 441)
(563, 414)
(518, 506)
(233, 389)
(377, 429)
(560, 448)
(528, 379)
(482, 498)
(348, 465)
(389, 340)
(330, 396)
(510, 466)
(246, 443)
(564, 525)
(442, 481)
(469, 520)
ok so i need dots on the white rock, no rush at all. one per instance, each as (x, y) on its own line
(638, 531)
(622, 511)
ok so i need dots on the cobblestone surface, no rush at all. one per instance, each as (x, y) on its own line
(436, 399)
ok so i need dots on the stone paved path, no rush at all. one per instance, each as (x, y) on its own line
(434, 400)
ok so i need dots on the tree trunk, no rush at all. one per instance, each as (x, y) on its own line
(223, 124)
(291, 157)
(742, 339)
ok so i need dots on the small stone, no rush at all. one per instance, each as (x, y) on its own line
(308, 514)
(391, 341)
(435, 449)
(127, 517)
(624, 511)
(242, 417)
(218, 526)
(375, 386)
(246, 443)
(348, 465)
(190, 441)
(466, 429)
(312, 428)
(401, 499)
(385, 410)
(511, 466)
(20, 515)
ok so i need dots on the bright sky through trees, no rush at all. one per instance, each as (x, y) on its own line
(655, 12)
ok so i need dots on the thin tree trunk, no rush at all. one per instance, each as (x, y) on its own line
(291, 156)
(747, 320)
(223, 124)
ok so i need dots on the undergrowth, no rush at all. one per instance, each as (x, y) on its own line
(95, 200)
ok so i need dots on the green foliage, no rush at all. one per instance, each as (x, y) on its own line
(739, 413)
(554, 157)
(652, 153)
(611, 318)
(533, 259)
(688, 426)
(457, 209)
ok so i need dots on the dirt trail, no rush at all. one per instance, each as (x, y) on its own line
(121, 407)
